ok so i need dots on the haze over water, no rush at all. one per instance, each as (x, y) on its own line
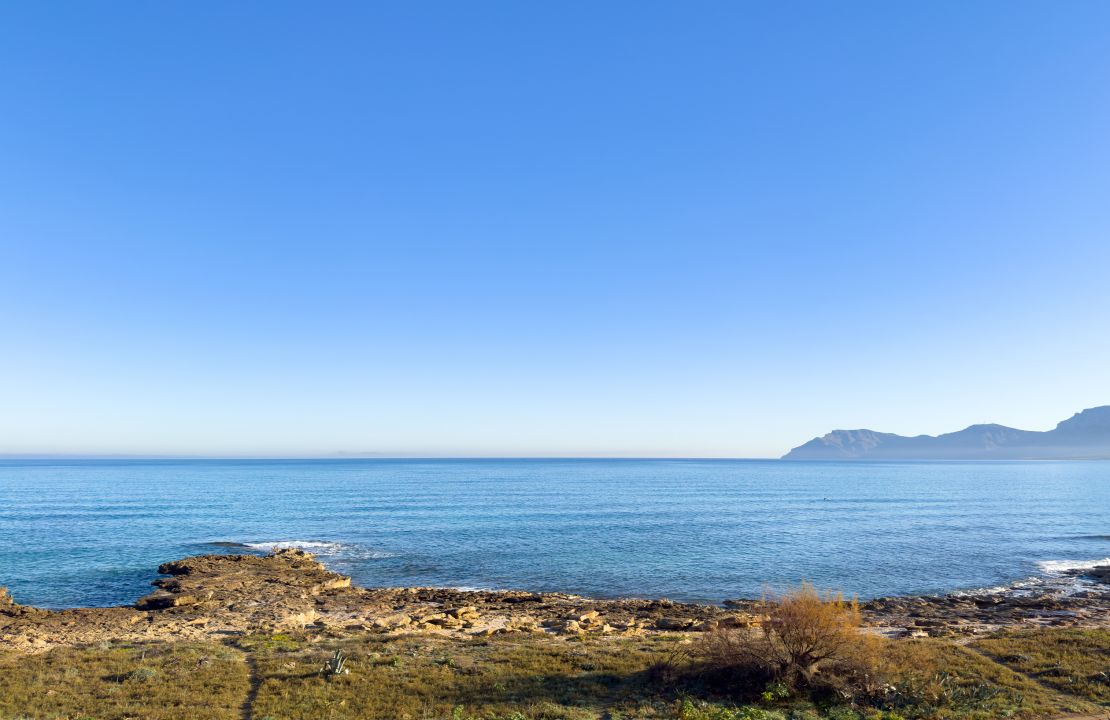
(93, 532)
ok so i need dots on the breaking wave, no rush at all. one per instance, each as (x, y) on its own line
(325, 549)
(1058, 577)
(1060, 567)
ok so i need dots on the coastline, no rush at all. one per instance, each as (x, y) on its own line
(209, 597)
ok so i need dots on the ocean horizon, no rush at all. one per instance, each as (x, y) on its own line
(92, 532)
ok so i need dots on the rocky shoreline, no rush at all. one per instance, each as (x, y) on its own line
(218, 596)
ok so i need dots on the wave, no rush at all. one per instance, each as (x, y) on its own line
(311, 545)
(1018, 587)
(331, 550)
(1060, 567)
(1058, 577)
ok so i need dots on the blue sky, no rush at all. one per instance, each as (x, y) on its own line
(503, 228)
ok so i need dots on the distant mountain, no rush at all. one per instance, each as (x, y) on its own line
(1085, 435)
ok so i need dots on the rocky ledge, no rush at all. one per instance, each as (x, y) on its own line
(212, 596)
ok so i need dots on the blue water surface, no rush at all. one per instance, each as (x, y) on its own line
(93, 532)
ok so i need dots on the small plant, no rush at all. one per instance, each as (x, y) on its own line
(142, 675)
(691, 710)
(336, 666)
(842, 713)
(775, 691)
(804, 714)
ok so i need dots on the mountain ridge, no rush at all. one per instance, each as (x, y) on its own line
(1083, 436)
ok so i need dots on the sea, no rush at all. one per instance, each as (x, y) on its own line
(93, 532)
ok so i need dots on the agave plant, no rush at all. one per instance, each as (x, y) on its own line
(336, 666)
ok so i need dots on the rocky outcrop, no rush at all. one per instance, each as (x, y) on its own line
(288, 590)
(222, 596)
(1100, 574)
(1046, 604)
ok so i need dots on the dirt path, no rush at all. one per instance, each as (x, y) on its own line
(246, 710)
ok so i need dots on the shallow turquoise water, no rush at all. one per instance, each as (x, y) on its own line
(93, 532)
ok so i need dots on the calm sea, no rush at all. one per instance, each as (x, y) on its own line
(93, 532)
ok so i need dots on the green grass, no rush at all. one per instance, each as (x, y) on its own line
(1076, 662)
(155, 682)
(422, 677)
(938, 679)
(523, 677)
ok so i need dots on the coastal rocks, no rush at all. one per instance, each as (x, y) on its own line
(5, 598)
(1029, 605)
(1100, 574)
(391, 622)
(449, 619)
(577, 622)
(161, 600)
(221, 596)
(205, 596)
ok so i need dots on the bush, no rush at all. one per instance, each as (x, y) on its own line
(805, 640)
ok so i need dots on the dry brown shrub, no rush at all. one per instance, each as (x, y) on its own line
(805, 637)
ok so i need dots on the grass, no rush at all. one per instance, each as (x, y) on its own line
(1076, 662)
(153, 682)
(939, 679)
(524, 677)
(421, 677)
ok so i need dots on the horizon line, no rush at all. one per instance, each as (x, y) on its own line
(384, 456)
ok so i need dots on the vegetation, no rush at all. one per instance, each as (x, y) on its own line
(819, 666)
(1076, 662)
(432, 677)
(932, 678)
(806, 642)
(153, 682)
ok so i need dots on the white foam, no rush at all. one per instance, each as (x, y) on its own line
(317, 545)
(1058, 567)
(1059, 578)
(340, 551)
(1018, 587)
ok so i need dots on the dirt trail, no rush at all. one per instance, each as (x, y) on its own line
(246, 710)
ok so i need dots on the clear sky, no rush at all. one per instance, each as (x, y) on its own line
(571, 228)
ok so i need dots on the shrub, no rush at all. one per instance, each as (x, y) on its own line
(142, 674)
(802, 633)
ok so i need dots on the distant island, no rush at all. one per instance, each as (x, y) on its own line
(1084, 436)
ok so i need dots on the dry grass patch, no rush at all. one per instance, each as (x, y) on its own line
(421, 677)
(938, 679)
(1076, 662)
(153, 682)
